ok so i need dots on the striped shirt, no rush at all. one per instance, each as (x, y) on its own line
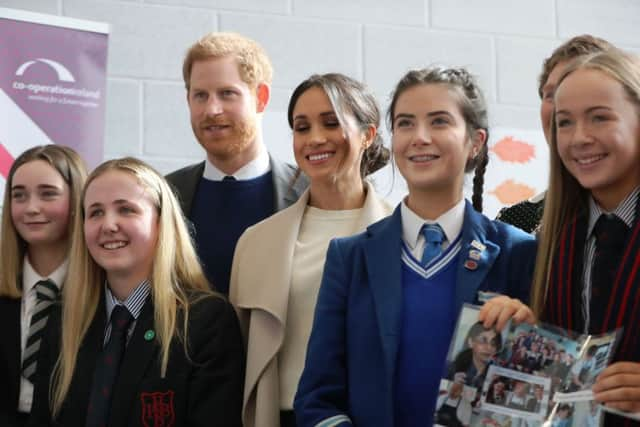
(134, 303)
(626, 211)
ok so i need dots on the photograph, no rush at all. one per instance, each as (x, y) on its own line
(454, 404)
(516, 394)
(538, 351)
(472, 349)
(593, 358)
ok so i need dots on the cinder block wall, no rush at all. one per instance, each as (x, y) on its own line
(502, 41)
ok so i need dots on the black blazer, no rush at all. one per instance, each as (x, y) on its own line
(203, 389)
(10, 361)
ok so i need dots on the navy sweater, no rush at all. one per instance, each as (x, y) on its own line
(221, 211)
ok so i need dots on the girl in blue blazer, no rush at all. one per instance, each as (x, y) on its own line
(390, 296)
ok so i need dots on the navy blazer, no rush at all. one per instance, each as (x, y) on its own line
(10, 361)
(203, 389)
(351, 357)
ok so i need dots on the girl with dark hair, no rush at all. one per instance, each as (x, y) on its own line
(335, 122)
(390, 296)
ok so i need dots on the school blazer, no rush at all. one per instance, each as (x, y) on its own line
(351, 357)
(259, 289)
(286, 191)
(203, 391)
(10, 360)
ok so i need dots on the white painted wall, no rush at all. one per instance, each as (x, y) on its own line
(503, 42)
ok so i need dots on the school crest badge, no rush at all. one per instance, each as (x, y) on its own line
(158, 409)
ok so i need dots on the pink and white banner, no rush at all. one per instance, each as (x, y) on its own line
(52, 85)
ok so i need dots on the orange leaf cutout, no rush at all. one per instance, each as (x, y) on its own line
(510, 149)
(510, 192)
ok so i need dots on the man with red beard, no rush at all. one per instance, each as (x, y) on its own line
(228, 78)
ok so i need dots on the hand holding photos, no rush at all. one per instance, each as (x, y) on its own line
(499, 310)
(618, 387)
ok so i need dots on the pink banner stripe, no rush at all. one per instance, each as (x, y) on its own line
(6, 160)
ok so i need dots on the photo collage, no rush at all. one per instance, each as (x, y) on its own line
(523, 376)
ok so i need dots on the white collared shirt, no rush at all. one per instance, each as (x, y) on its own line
(29, 299)
(255, 168)
(133, 303)
(450, 222)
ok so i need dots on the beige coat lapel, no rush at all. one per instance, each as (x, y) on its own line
(259, 289)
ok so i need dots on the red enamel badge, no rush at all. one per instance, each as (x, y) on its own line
(157, 409)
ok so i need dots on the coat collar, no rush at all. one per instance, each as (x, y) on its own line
(272, 295)
(11, 350)
(382, 251)
(77, 401)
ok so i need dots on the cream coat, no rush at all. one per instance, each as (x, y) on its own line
(259, 289)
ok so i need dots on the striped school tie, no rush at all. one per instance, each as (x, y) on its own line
(433, 236)
(46, 296)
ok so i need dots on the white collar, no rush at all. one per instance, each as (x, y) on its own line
(450, 221)
(30, 277)
(255, 168)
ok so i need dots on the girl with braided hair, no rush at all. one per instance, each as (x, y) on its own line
(390, 296)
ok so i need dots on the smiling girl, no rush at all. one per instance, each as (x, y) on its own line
(278, 263)
(390, 296)
(41, 200)
(586, 274)
(143, 339)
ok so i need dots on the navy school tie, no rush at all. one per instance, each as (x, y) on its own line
(611, 236)
(107, 368)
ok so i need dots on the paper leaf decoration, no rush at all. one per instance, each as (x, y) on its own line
(510, 192)
(510, 149)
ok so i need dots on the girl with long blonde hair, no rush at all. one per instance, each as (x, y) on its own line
(41, 202)
(586, 277)
(143, 339)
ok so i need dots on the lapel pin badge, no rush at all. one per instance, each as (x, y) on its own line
(475, 255)
(479, 246)
(470, 264)
(149, 335)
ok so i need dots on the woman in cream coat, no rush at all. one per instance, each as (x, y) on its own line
(278, 263)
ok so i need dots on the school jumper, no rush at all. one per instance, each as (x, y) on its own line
(350, 374)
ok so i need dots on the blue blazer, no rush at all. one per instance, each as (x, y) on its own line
(351, 357)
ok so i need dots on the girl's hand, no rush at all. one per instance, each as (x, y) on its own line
(618, 386)
(498, 310)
